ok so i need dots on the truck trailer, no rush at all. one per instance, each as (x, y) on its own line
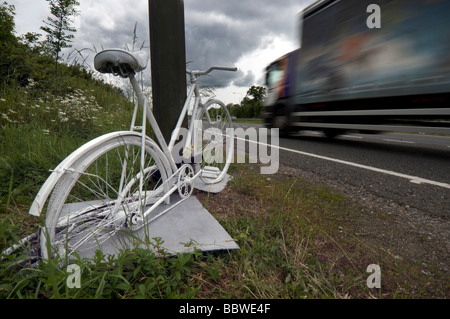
(365, 65)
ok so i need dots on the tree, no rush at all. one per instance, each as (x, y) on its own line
(58, 27)
(253, 102)
(251, 105)
(6, 23)
(257, 92)
(8, 41)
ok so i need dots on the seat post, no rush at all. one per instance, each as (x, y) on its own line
(151, 118)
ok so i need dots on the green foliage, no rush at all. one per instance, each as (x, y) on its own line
(136, 274)
(7, 39)
(6, 23)
(257, 93)
(58, 27)
(38, 126)
(19, 57)
(252, 104)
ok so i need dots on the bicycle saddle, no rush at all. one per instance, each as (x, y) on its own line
(120, 62)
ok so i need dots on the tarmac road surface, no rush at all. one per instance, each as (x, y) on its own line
(413, 170)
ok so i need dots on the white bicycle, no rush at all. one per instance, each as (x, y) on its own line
(122, 180)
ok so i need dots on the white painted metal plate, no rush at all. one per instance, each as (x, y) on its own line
(185, 227)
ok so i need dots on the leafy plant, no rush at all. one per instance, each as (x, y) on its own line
(58, 27)
(252, 104)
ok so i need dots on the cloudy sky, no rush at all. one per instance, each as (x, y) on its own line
(248, 34)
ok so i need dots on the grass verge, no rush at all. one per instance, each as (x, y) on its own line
(297, 240)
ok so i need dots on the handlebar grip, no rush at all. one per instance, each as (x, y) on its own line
(224, 68)
(199, 73)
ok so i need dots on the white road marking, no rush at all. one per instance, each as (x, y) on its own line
(411, 178)
(399, 141)
(352, 136)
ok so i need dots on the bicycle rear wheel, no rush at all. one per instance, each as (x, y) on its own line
(217, 142)
(104, 191)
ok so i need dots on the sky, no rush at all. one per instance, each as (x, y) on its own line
(248, 34)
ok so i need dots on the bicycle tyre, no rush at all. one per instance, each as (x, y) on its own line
(95, 190)
(216, 164)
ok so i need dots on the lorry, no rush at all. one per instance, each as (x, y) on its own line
(364, 65)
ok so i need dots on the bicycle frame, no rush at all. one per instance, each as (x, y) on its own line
(147, 113)
(167, 148)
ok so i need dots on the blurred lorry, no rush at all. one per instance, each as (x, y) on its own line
(364, 67)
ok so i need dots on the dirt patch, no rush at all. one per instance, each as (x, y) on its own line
(404, 231)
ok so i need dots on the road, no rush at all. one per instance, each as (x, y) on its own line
(412, 170)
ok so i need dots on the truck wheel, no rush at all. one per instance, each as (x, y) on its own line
(332, 132)
(281, 122)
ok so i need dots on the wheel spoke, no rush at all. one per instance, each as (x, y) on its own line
(100, 194)
(216, 148)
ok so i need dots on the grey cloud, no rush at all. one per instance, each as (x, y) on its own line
(224, 78)
(218, 32)
(95, 34)
(246, 80)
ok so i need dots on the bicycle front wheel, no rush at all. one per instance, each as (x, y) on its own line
(105, 190)
(217, 141)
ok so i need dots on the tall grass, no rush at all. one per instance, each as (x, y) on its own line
(38, 130)
(291, 246)
(136, 273)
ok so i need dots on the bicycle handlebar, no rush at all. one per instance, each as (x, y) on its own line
(221, 68)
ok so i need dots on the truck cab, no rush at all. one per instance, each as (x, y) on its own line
(279, 84)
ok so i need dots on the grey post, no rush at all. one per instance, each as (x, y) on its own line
(168, 62)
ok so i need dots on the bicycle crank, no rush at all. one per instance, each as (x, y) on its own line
(185, 181)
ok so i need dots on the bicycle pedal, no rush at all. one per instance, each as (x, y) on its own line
(210, 172)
